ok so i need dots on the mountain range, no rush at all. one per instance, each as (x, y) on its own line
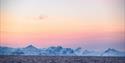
(58, 51)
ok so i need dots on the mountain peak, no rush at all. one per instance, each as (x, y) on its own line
(111, 50)
(31, 46)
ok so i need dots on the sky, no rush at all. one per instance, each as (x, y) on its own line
(90, 24)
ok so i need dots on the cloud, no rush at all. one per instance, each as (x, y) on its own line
(41, 17)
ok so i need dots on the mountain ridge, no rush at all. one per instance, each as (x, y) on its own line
(58, 51)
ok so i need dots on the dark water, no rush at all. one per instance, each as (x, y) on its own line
(60, 59)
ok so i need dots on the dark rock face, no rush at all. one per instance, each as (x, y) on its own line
(60, 59)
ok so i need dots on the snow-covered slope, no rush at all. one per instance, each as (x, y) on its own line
(6, 50)
(112, 52)
(31, 50)
(58, 51)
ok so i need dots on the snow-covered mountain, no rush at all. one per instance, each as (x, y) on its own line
(112, 52)
(6, 50)
(58, 51)
(30, 50)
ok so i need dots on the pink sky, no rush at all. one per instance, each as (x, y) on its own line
(72, 23)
